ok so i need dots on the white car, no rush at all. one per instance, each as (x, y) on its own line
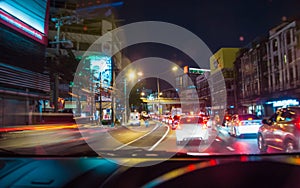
(191, 128)
(244, 124)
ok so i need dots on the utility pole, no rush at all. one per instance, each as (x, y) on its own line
(113, 105)
(58, 23)
(158, 92)
(100, 99)
(125, 106)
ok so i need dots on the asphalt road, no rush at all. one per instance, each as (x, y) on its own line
(96, 140)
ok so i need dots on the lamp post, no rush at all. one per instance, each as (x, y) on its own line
(130, 76)
(125, 106)
(175, 68)
(158, 92)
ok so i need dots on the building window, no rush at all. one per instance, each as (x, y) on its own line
(288, 37)
(277, 81)
(255, 86)
(291, 77)
(290, 56)
(297, 73)
(275, 45)
(276, 62)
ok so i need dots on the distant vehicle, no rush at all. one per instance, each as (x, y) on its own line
(281, 131)
(244, 124)
(175, 122)
(191, 128)
(226, 120)
(165, 118)
(176, 111)
(134, 119)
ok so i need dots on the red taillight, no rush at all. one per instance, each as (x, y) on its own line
(227, 118)
(298, 124)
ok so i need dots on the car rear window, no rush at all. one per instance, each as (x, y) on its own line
(176, 117)
(190, 120)
(248, 117)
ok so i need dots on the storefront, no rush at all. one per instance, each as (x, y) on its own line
(271, 106)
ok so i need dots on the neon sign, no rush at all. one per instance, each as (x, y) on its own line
(289, 102)
(16, 24)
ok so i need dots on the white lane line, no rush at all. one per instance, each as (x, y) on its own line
(230, 148)
(161, 139)
(124, 145)
(198, 154)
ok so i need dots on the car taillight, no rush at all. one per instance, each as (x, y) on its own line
(297, 123)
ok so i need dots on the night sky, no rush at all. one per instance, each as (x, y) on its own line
(219, 23)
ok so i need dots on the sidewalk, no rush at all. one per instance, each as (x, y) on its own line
(44, 126)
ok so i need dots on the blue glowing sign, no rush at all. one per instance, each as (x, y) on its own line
(288, 102)
(101, 70)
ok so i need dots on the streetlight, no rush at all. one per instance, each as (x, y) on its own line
(131, 76)
(175, 68)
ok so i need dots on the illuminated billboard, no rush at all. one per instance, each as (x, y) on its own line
(29, 18)
(101, 70)
(223, 58)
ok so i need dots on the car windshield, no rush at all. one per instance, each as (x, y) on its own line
(89, 77)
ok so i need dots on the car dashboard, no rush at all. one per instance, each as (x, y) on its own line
(280, 170)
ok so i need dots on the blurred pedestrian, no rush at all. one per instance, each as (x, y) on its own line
(146, 122)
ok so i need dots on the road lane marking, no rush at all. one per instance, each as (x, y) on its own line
(230, 148)
(124, 145)
(158, 142)
(198, 154)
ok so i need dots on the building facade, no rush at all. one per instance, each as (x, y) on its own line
(186, 85)
(73, 31)
(221, 79)
(250, 80)
(24, 84)
(283, 66)
(268, 71)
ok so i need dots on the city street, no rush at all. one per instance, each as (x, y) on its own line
(72, 139)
